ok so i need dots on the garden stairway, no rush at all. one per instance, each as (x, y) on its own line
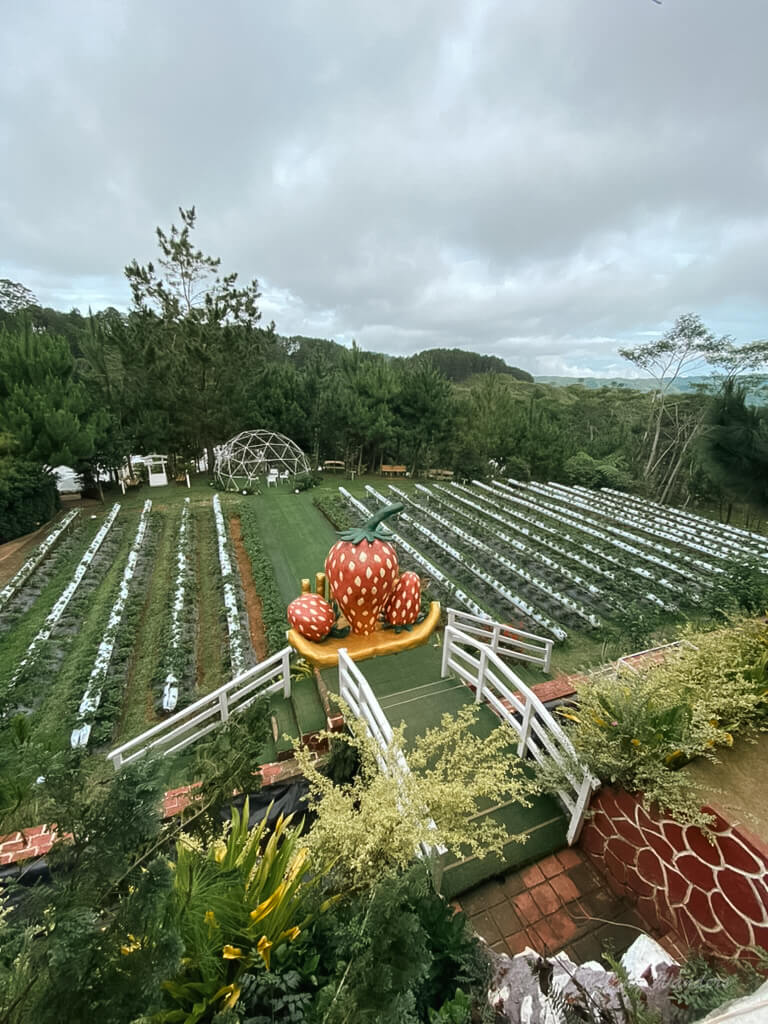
(409, 689)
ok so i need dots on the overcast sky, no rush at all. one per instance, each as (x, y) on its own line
(539, 179)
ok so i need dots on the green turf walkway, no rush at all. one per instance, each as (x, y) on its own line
(296, 535)
(409, 689)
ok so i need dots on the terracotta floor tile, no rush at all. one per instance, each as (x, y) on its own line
(546, 941)
(531, 876)
(585, 878)
(525, 908)
(570, 857)
(564, 927)
(506, 919)
(482, 898)
(545, 898)
(564, 888)
(484, 925)
(518, 942)
(513, 884)
(550, 866)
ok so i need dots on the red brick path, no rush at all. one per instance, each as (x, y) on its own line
(560, 903)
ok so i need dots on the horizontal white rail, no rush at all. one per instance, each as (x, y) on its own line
(356, 691)
(195, 721)
(505, 640)
(539, 735)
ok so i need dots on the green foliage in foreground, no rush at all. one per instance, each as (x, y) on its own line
(636, 730)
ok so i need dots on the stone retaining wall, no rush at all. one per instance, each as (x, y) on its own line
(714, 894)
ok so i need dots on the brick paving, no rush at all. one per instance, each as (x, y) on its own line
(560, 903)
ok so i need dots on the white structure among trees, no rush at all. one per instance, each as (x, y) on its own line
(258, 453)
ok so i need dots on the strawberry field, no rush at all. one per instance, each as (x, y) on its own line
(569, 563)
(121, 615)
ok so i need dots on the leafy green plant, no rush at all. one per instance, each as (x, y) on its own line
(704, 984)
(272, 604)
(235, 902)
(636, 729)
(453, 1011)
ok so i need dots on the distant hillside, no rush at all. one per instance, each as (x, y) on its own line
(457, 364)
(758, 394)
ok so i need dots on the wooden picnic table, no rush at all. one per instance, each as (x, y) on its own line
(394, 470)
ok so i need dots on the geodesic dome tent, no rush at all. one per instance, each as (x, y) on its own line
(258, 453)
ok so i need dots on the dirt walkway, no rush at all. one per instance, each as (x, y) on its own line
(252, 599)
(14, 553)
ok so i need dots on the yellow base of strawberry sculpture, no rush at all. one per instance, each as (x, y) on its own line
(382, 641)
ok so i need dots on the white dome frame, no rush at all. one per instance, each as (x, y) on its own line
(252, 454)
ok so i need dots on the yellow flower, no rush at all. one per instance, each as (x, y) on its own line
(231, 952)
(210, 919)
(232, 992)
(131, 947)
(671, 757)
(262, 948)
(728, 739)
(290, 934)
(220, 852)
(269, 903)
(635, 743)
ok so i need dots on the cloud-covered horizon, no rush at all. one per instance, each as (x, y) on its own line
(543, 182)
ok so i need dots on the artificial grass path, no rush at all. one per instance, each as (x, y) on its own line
(296, 535)
(409, 689)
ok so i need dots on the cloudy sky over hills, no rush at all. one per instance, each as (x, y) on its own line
(539, 179)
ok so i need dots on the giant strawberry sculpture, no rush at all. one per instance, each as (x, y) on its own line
(362, 570)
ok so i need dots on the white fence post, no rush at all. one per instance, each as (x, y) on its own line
(287, 672)
(483, 668)
(547, 656)
(496, 634)
(448, 640)
(525, 729)
(223, 706)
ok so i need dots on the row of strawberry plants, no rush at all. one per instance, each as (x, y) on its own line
(578, 540)
(529, 553)
(177, 652)
(37, 557)
(701, 535)
(628, 542)
(570, 502)
(92, 696)
(758, 540)
(520, 605)
(66, 596)
(448, 588)
(263, 572)
(231, 607)
(605, 540)
(542, 587)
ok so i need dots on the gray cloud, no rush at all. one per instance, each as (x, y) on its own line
(541, 181)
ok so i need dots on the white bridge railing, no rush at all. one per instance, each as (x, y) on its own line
(507, 641)
(195, 721)
(476, 663)
(356, 691)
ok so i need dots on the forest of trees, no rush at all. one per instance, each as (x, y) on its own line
(191, 364)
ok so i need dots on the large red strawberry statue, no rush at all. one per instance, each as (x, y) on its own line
(362, 570)
(404, 606)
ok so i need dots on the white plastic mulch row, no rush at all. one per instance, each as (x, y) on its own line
(517, 570)
(572, 499)
(504, 592)
(637, 544)
(481, 521)
(230, 597)
(35, 559)
(92, 696)
(66, 596)
(580, 523)
(448, 585)
(171, 685)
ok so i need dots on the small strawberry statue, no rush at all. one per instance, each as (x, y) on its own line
(362, 569)
(404, 606)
